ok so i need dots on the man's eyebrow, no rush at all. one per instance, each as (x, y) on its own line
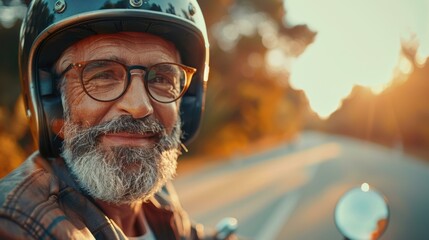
(116, 58)
(124, 61)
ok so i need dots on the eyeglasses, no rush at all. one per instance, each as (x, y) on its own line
(108, 80)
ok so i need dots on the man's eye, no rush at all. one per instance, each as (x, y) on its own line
(103, 75)
(161, 79)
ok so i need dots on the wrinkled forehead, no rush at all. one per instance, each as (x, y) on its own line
(110, 45)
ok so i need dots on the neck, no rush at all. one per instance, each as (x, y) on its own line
(128, 217)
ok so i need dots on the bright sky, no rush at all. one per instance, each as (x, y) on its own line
(358, 42)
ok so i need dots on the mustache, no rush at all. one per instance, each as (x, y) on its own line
(126, 123)
(123, 123)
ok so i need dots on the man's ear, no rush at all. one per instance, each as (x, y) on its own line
(57, 127)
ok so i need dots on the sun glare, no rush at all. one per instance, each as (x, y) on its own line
(364, 187)
(358, 42)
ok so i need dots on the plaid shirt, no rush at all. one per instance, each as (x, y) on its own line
(39, 200)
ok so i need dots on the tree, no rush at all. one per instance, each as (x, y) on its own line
(396, 117)
(249, 97)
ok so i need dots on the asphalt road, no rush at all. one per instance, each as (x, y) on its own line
(290, 192)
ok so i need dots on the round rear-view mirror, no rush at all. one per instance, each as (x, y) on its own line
(362, 213)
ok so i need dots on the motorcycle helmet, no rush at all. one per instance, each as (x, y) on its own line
(51, 26)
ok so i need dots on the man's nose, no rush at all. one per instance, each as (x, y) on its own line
(136, 100)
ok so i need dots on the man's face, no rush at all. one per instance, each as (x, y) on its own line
(123, 150)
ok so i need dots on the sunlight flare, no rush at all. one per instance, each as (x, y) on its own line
(357, 43)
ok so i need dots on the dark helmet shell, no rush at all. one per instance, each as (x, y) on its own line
(51, 26)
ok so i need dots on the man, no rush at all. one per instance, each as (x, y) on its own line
(111, 88)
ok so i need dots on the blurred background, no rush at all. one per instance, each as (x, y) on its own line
(280, 67)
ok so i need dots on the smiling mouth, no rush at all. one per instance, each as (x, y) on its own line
(148, 139)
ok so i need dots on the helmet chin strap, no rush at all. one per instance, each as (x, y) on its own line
(51, 116)
(51, 120)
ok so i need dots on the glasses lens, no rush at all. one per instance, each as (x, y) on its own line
(104, 80)
(166, 82)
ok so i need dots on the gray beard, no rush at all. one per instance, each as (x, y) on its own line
(121, 175)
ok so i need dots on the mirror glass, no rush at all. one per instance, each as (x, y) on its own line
(362, 213)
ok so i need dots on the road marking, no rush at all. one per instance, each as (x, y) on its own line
(272, 227)
(202, 197)
(273, 167)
